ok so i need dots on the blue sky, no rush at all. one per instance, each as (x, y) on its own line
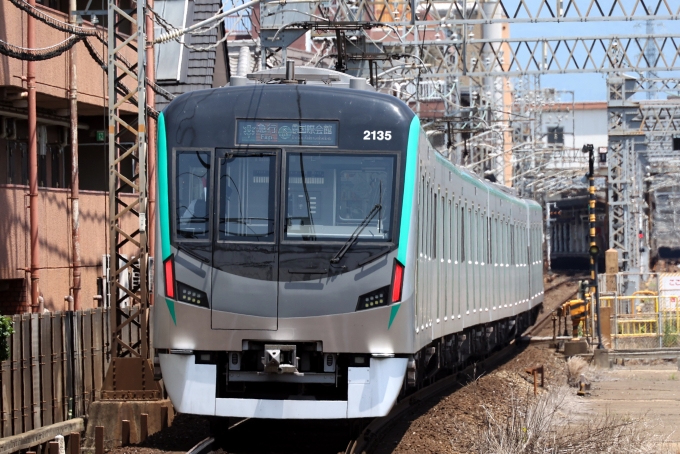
(588, 87)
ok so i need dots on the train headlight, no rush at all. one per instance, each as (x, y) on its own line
(376, 298)
(190, 295)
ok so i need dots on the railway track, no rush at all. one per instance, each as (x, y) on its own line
(562, 282)
(547, 316)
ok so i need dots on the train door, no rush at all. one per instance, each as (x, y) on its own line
(245, 254)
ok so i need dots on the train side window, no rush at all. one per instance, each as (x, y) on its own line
(506, 242)
(434, 225)
(420, 215)
(428, 221)
(506, 233)
(499, 238)
(442, 216)
(496, 242)
(512, 245)
(461, 237)
(481, 239)
(446, 225)
(489, 245)
(475, 234)
(455, 231)
(449, 230)
(192, 194)
(428, 211)
(469, 227)
(493, 240)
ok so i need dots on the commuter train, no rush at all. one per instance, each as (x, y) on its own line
(317, 258)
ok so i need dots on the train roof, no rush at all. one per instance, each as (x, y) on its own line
(205, 117)
(494, 188)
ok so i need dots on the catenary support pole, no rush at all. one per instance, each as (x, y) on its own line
(151, 132)
(33, 164)
(75, 196)
(593, 249)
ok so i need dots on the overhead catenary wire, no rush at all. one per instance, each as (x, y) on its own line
(77, 34)
(179, 32)
(37, 54)
(53, 21)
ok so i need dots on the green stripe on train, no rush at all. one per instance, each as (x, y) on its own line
(163, 202)
(171, 308)
(407, 204)
(409, 188)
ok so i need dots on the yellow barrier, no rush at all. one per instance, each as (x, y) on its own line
(645, 314)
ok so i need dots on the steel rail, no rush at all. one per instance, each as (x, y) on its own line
(543, 320)
(203, 447)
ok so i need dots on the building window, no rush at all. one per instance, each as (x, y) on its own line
(12, 296)
(170, 55)
(556, 135)
(676, 143)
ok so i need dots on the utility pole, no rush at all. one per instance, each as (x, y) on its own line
(75, 196)
(593, 250)
(33, 164)
(548, 233)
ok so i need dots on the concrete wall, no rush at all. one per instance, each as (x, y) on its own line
(586, 124)
(591, 127)
(55, 241)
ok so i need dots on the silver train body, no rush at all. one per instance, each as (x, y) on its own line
(321, 273)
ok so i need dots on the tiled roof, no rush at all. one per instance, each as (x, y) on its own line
(198, 74)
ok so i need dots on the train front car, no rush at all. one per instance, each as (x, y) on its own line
(284, 218)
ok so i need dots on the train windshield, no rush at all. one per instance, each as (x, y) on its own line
(246, 198)
(328, 196)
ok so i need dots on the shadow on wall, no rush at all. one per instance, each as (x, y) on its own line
(4, 61)
(12, 244)
(55, 241)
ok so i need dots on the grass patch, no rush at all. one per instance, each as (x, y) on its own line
(544, 425)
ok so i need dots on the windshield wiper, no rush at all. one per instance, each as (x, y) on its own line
(355, 235)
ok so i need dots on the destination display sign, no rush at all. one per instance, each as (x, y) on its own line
(287, 132)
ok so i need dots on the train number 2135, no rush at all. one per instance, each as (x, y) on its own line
(377, 135)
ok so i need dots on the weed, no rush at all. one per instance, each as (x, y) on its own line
(575, 367)
(537, 426)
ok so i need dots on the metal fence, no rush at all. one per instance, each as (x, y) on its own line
(56, 368)
(644, 320)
